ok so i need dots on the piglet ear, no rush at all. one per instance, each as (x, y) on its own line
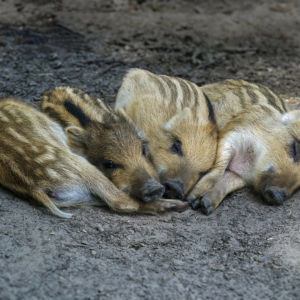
(290, 117)
(123, 115)
(184, 115)
(75, 139)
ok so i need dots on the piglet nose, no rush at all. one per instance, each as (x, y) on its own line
(174, 189)
(274, 196)
(152, 190)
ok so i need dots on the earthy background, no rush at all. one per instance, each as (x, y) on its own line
(246, 249)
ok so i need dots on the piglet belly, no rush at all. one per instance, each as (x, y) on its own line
(241, 164)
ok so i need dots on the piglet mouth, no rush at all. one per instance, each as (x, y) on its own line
(274, 196)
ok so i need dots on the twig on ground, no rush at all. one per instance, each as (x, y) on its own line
(291, 207)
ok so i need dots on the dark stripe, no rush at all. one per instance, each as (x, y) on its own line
(186, 92)
(211, 114)
(239, 94)
(84, 97)
(77, 92)
(267, 109)
(283, 104)
(272, 98)
(77, 113)
(172, 86)
(93, 101)
(159, 84)
(194, 89)
(253, 96)
(55, 116)
(98, 103)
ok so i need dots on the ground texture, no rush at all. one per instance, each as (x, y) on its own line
(244, 250)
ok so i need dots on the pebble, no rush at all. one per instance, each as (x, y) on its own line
(57, 64)
(100, 228)
(53, 56)
(93, 252)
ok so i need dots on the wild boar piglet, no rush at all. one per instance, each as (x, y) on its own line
(178, 121)
(258, 145)
(36, 163)
(108, 141)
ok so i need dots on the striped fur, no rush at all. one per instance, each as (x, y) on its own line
(36, 163)
(258, 145)
(178, 121)
(108, 141)
(258, 142)
(230, 97)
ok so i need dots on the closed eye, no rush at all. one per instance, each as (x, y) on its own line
(295, 151)
(109, 164)
(144, 149)
(176, 148)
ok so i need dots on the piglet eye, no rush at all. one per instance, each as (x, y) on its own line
(109, 164)
(177, 148)
(295, 151)
(144, 149)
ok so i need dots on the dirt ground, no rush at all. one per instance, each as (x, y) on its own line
(245, 249)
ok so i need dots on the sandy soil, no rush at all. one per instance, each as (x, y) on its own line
(246, 249)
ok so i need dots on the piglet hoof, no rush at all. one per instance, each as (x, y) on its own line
(190, 199)
(195, 204)
(194, 201)
(206, 206)
(174, 205)
(274, 197)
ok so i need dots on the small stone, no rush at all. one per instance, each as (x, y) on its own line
(57, 64)
(100, 228)
(62, 281)
(93, 252)
(53, 56)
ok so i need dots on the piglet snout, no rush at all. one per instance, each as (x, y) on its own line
(274, 196)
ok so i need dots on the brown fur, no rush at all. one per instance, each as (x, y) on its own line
(258, 145)
(169, 110)
(36, 163)
(95, 132)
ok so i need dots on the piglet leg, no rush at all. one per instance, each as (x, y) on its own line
(224, 156)
(214, 196)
